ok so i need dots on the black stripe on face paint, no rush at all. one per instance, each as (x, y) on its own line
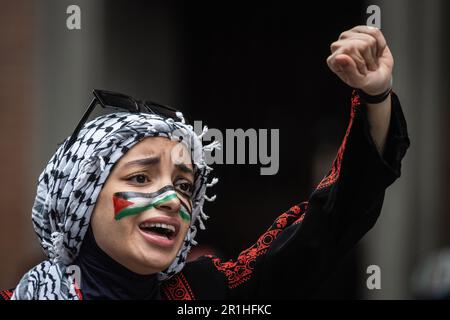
(188, 207)
(128, 195)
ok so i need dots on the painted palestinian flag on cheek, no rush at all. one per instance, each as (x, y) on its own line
(132, 203)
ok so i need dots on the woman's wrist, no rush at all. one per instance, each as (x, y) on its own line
(375, 98)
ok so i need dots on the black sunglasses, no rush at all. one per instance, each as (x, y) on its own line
(121, 102)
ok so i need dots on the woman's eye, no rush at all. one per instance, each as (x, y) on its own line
(139, 178)
(186, 188)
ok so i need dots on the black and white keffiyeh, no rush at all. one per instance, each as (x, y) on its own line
(71, 182)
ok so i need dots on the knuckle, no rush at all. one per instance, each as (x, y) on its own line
(343, 35)
(376, 31)
(367, 47)
(334, 46)
(345, 50)
(353, 49)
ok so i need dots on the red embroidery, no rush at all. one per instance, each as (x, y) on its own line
(241, 270)
(6, 294)
(120, 204)
(177, 288)
(296, 209)
(356, 101)
(335, 171)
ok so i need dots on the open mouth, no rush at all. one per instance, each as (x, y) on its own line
(159, 229)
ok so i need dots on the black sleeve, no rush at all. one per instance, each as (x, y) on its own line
(345, 205)
(292, 258)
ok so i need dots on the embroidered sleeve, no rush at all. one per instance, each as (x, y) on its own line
(6, 294)
(240, 270)
(177, 288)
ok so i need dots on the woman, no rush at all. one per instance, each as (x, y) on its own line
(118, 205)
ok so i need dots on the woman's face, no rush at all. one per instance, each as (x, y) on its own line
(146, 236)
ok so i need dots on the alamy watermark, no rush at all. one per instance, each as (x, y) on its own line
(249, 146)
(374, 18)
(374, 278)
(232, 146)
(73, 21)
(73, 272)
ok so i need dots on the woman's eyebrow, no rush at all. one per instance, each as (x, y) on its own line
(143, 162)
(184, 168)
(156, 160)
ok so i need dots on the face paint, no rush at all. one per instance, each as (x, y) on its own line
(132, 203)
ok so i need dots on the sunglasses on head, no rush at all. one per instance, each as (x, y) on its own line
(121, 102)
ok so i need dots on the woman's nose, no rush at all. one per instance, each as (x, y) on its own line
(171, 205)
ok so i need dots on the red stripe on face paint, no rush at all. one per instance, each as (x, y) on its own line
(120, 204)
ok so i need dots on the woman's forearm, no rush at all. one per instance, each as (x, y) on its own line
(379, 116)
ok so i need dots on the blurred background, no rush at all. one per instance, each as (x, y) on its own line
(235, 65)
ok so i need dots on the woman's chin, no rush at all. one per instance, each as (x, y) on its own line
(152, 261)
